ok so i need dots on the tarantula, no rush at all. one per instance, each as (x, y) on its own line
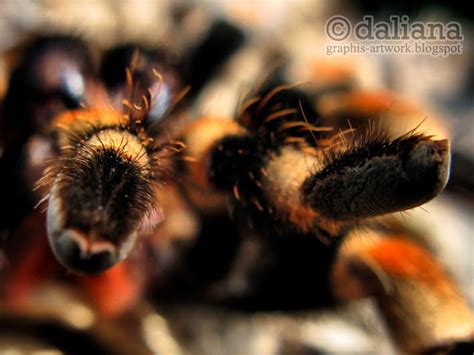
(117, 153)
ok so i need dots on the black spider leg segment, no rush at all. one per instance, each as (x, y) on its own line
(203, 62)
(233, 161)
(116, 61)
(101, 191)
(379, 176)
(137, 73)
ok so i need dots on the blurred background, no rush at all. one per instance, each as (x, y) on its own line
(57, 319)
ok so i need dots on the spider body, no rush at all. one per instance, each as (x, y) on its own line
(282, 174)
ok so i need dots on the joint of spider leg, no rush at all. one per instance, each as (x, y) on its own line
(234, 162)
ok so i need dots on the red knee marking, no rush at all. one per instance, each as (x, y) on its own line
(369, 102)
(405, 259)
(324, 71)
(33, 265)
(115, 291)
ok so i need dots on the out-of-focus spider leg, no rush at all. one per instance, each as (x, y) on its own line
(379, 177)
(422, 307)
(201, 138)
(377, 110)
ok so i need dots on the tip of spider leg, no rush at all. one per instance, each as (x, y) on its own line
(81, 255)
(428, 166)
